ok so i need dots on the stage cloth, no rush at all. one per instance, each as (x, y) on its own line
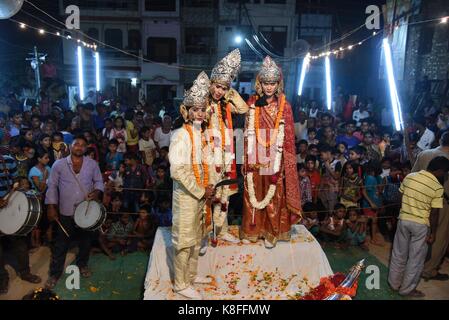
(243, 271)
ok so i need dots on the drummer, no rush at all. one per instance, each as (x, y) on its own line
(19, 247)
(72, 180)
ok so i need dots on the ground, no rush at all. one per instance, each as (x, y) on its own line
(122, 279)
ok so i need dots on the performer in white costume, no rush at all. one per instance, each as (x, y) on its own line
(223, 102)
(191, 189)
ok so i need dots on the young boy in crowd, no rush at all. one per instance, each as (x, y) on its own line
(356, 228)
(163, 212)
(330, 174)
(162, 160)
(333, 228)
(391, 198)
(342, 153)
(386, 167)
(310, 220)
(113, 157)
(135, 177)
(372, 150)
(348, 137)
(314, 176)
(22, 160)
(145, 230)
(60, 149)
(146, 199)
(311, 136)
(356, 156)
(147, 147)
(304, 184)
(302, 151)
(119, 234)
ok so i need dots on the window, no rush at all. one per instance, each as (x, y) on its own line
(162, 49)
(276, 38)
(160, 5)
(200, 3)
(134, 40)
(93, 33)
(114, 37)
(275, 1)
(199, 40)
(426, 39)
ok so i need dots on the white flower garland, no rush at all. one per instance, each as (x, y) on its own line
(277, 161)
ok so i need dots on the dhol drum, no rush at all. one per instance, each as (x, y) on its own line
(21, 215)
(90, 215)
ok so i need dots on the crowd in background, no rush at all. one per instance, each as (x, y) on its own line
(350, 161)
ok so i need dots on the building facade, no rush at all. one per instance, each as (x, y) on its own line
(420, 50)
(116, 24)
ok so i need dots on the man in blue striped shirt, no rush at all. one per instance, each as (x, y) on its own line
(19, 247)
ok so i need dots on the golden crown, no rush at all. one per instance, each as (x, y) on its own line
(269, 72)
(227, 69)
(197, 94)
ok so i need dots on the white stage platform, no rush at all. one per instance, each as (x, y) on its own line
(243, 271)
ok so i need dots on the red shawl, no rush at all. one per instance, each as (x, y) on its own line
(293, 195)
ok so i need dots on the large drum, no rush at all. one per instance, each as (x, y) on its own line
(21, 215)
(90, 215)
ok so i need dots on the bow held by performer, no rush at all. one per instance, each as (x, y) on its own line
(223, 102)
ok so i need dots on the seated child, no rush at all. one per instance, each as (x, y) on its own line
(146, 199)
(356, 228)
(119, 234)
(163, 212)
(103, 242)
(311, 221)
(145, 230)
(333, 228)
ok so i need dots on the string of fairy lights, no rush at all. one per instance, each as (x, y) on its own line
(307, 57)
(42, 32)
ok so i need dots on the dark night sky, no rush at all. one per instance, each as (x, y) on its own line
(360, 65)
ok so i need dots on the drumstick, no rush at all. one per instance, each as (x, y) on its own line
(62, 228)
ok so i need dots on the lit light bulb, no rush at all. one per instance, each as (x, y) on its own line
(41, 31)
(238, 39)
(444, 20)
(349, 47)
(22, 26)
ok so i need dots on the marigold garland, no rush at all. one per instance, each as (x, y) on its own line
(195, 168)
(279, 116)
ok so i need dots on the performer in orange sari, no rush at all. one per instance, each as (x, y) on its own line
(271, 202)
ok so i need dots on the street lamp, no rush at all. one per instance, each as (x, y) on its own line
(238, 39)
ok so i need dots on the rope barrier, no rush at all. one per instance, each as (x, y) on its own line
(313, 190)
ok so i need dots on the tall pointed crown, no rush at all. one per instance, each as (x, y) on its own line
(269, 72)
(227, 69)
(197, 94)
